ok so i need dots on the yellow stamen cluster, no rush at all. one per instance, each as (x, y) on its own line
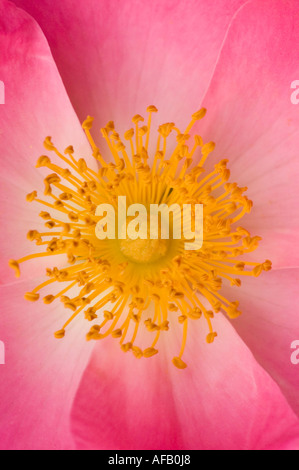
(117, 281)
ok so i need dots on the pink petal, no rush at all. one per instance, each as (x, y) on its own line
(223, 400)
(37, 385)
(36, 106)
(254, 123)
(127, 55)
(17, 217)
(270, 324)
(40, 375)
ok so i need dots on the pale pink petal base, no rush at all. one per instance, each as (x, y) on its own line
(254, 123)
(269, 325)
(127, 55)
(223, 400)
(36, 106)
(41, 373)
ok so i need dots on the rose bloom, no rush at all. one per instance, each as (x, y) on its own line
(191, 372)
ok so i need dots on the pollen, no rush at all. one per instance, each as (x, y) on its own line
(125, 288)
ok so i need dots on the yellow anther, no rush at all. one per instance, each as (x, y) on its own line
(108, 315)
(137, 118)
(240, 266)
(65, 173)
(142, 131)
(116, 333)
(69, 150)
(90, 314)
(65, 196)
(243, 231)
(71, 306)
(31, 296)
(233, 311)
(120, 146)
(87, 124)
(45, 215)
(49, 299)
(198, 140)
(32, 235)
(165, 129)
(15, 266)
(110, 126)
(149, 352)
(152, 109)
(129, 134)
(181, 138)
(248, 205)
(257, 270)
(177, 295)
(93, 335)
(43, 161)
(66, 228)
(137, 352)
(30, 197)
(179, 363)
(95, 328)
(52, 179)
(73, 216)
(210, 337)
(121, 165)
(172, 307)
(156, 297)
(82, 165)
(208, 148)
(195, 313)
(59, 334)
(48, 143)
(89, 287)
(126, 347)
(182, 318)
(199, 114)
(165, 325)
(267, 265)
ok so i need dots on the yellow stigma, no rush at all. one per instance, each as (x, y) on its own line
(118, 281)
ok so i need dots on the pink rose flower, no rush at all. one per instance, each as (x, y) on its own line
(62, 61)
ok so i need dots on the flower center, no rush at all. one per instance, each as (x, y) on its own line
(142, 248)
(117, 279)
(143, 251)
